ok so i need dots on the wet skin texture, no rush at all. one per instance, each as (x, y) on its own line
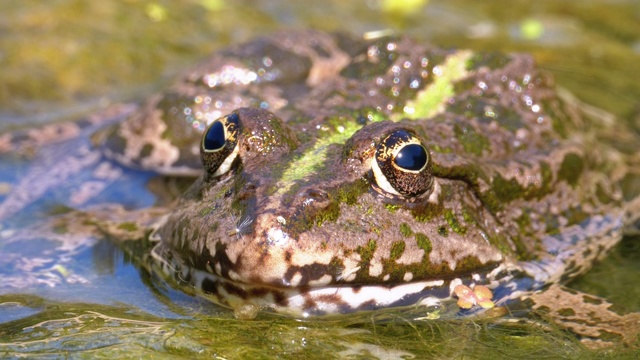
(305, 208)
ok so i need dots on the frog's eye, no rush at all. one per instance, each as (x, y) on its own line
(219, 147)
(402, 165)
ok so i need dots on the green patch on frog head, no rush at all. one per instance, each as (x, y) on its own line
(405, 230)
(434, 97)
(604, 194)
(571, 169)
(504, 190)
(397, 249)
(507, 190)
(313, 160)
(471, 141)
(308, 217)
(427, 211)
(206, 210)
(453, 222)
(392, 207)
(423, 242)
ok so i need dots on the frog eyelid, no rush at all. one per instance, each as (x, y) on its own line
(228, 161)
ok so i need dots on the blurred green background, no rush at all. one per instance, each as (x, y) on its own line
(59, 57)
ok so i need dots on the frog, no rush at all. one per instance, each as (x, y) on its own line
(339, 174)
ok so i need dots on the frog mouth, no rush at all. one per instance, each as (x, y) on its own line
(308, 301)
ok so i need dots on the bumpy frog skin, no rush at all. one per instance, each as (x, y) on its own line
(299, 219)
(345, 175)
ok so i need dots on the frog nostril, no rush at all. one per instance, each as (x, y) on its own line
(314, 197)
(247, 192)
(317, 195)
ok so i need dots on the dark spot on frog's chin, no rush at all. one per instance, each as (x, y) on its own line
(280, 298)
(209, 286)
(368, 305)
(309, 303)
(307, 273)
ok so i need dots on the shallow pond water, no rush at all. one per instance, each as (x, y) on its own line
(64, 59)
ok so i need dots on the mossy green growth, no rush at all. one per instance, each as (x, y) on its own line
(405, 230)
(433, 99)
(506, 190)
(424, 243)
(310, 216)
(427, 211)
(443, 231)
(571, 169)
(366, 254)
(206, 210)
(453, 222)
(312, 161)
(392, 207)
(397, 249)
(471, 141)
(128, 226)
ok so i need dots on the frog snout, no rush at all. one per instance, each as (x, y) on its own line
(313, 197)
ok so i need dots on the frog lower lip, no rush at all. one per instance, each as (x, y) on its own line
(303, 301)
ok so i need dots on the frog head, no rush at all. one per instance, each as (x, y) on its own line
(273, 218)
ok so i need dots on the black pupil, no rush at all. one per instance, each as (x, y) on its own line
(412, 157)
(214, 138)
